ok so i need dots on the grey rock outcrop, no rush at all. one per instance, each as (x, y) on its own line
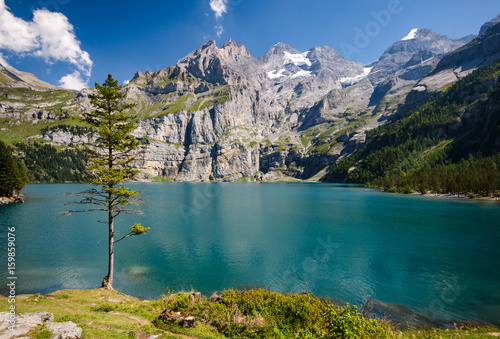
(25, 322)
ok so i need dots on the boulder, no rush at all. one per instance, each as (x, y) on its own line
(25, 322)
(66, 330)
(214, 298)
(181, 318)
(195, 297)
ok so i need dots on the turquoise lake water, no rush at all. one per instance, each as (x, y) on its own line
(437, 256)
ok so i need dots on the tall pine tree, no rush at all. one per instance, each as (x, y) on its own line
(110, 157)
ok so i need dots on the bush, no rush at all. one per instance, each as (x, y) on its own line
(262, 314)
(348, 323)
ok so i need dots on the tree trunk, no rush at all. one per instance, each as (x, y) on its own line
(111, 236)
(108, 283)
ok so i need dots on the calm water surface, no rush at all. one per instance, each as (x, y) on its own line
(438, 256)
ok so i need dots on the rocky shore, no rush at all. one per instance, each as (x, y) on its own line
(10, 200)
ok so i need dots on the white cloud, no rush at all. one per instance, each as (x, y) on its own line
(58, 41)
(16, 34)
(3, 62)
(219, 30)
(126, 82)
(73, 81)
(218, 6)
(49, 35)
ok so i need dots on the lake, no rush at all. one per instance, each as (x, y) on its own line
(437, 256)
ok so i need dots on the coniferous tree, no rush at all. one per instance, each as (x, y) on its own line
(110, 157)
(12, 173)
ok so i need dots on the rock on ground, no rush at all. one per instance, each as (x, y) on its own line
(25, 322)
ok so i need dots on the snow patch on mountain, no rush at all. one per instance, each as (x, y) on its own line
(411, 35)
(276, 74)
(301, 73)
(297, 59)
(349, 81)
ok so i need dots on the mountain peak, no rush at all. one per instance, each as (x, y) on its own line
(489, 24)
(231, 43)
(281, 48)
(232, 48)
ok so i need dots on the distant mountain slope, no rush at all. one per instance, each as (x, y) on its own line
(462, 121)
(9, 74)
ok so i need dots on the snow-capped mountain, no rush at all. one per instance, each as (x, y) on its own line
(221, 114)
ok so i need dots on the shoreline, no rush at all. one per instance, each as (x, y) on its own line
(11, 200)
(456, 196)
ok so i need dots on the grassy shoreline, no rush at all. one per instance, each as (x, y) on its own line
(104, 314)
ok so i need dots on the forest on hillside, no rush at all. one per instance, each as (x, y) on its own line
(12, 173)
(449, 144)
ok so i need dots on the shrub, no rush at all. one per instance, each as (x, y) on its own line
(348, 323)
(471, 195)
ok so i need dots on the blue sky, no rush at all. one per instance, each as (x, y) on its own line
(75, 43)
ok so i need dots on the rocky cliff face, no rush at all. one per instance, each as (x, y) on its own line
(222, 114)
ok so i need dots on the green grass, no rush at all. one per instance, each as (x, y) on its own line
(19, 131)
(177, 105)
(254, 313)
(216, 97)
(196, 106)
(5, 79)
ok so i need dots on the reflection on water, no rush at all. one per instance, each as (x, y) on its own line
(440, 257)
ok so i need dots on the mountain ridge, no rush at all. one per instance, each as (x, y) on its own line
(222, 114)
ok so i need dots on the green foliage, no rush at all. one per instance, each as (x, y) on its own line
(44, 163)
(259, 313)
(12, 173)
(422, 150)
(138, 229)
(348, 323)
(474, 175)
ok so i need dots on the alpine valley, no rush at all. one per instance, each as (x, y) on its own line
(220, 114)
